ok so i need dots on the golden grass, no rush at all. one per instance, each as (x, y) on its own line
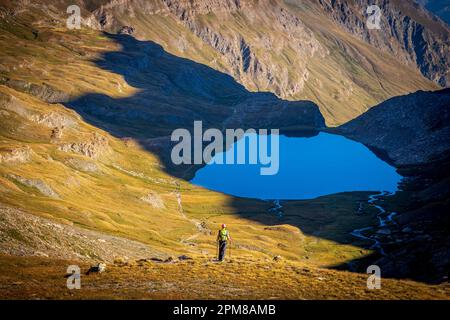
(31, 278)
(316, 232)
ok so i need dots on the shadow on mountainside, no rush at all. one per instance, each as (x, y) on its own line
(174, 92)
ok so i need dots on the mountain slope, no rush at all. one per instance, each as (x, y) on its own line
(406, 31)
(299, 51)
(413, 132)
(440, 8)
(411, 129)
(201, 279)
(85, 117)
(294, 50)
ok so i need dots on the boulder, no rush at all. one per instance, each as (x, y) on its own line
(99, 267)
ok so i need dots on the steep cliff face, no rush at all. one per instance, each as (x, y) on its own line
(243, 55)
(407, 31)
(240, 53)
(299, 50)
(311, 50)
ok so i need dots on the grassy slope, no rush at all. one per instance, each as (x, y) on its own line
(345, 82)
(200, 279)
(109, 200)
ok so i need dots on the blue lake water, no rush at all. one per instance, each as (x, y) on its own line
(308, 168)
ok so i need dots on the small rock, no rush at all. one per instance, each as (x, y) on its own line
(184, 257)
(141, 260)
(56, 133)
(169, 259)
(40, 254)
(277, 258)
(126, 30)
(100, 267)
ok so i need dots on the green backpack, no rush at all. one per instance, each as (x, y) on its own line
(223, 234)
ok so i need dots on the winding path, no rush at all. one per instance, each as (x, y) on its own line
(200, 228)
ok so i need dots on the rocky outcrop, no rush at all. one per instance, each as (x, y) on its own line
(13, 104)
(247, 65)
(154, 199)
(50, 119)
(24, 234)
(38, 184)
(15, 155)
(264, 110)
(54, 120)
(409, 130)
(126, 30)
(93, 148)
(83, 165)
(43, 91)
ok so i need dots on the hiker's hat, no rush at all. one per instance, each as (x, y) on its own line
(224, 225)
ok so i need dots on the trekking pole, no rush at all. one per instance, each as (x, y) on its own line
(217, 250)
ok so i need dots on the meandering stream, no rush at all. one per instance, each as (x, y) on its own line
(383, 220)
(277, 208)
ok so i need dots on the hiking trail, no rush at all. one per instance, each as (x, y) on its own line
(201, 227)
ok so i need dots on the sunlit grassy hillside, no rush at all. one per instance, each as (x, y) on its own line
(83, 180)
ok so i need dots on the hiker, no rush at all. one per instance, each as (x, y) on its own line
(222, 238)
